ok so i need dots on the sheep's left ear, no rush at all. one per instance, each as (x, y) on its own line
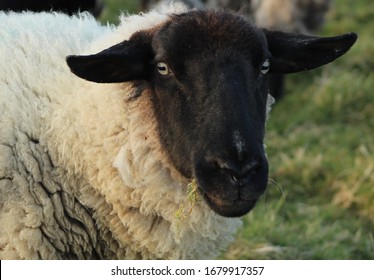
(127, 61)
(297, 52)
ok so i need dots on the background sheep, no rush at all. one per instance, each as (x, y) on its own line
(67, 6)
(304, 16)
(85, 174)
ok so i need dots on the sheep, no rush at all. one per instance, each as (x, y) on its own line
(67, 6)
(302, 16)
(108, 132)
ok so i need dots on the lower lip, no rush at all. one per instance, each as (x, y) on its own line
(227, 203)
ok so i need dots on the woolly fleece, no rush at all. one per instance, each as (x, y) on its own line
(82, 173)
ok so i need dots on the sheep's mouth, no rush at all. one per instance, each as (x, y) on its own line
(227, 195)
(229, 208)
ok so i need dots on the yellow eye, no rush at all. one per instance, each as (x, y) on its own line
(265, 67)
(163, 68)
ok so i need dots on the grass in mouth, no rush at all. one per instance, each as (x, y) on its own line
(192, 196)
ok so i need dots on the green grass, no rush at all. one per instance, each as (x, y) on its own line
(321, 154)
(113, 8)
(320, 147)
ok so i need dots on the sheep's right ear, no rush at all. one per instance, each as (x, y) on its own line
(127, 61)
(297, 52)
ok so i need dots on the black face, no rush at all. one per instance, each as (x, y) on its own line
(210, 101)
(207, 71)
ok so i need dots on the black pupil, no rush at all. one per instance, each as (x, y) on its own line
(161, 68)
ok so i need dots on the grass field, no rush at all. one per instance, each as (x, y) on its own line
(321, 154)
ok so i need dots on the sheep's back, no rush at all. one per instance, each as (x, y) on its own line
(33, 79)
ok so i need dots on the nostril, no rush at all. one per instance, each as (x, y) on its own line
(251, 168)
(217, 163)
(248, 170)
(234, 177)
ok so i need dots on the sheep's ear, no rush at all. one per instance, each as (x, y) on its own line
(127, 61)
(297, 52)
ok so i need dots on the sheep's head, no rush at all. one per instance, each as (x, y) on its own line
(208, 71)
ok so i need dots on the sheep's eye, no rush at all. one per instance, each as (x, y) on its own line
(265, 66)
(163, 68)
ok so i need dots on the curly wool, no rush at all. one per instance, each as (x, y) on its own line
(82, 173)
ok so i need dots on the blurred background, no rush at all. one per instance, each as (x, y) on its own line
(319, 203)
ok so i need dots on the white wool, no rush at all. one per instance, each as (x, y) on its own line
(82, 174)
